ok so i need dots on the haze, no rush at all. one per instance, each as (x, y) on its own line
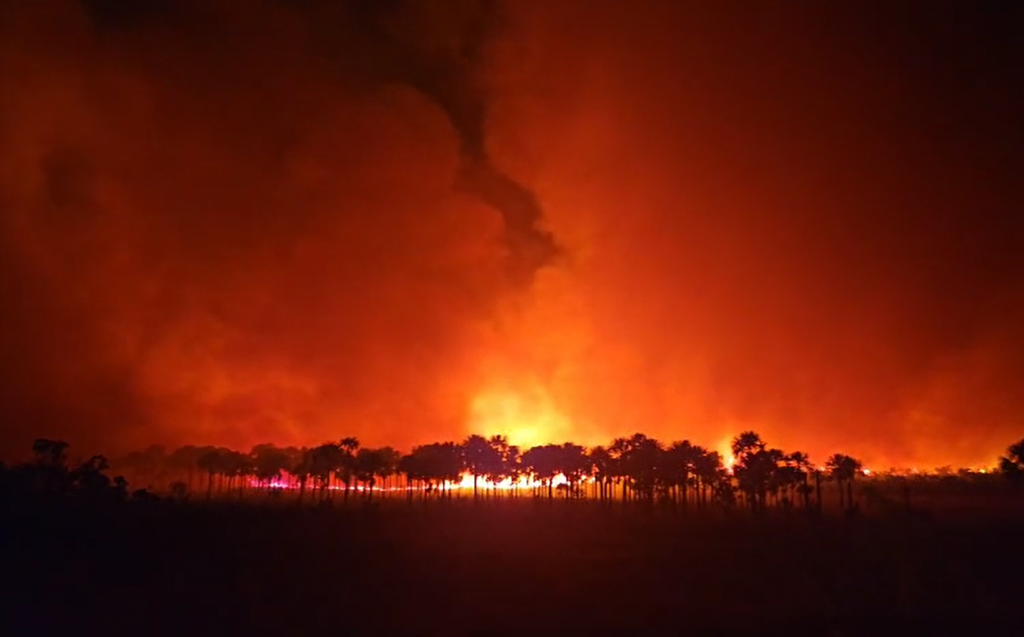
(239, 221)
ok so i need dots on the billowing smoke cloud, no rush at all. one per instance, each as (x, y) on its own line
(240, 221)
(442, 50)
(234, 221)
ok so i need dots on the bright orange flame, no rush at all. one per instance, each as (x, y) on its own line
(523, 482)
(526, 417)
(725, 450)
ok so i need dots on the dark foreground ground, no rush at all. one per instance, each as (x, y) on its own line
(507, 569)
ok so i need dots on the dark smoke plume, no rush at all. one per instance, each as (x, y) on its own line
(440, 50)
(450, 75)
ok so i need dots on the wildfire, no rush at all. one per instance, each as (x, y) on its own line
(725, 450)
(506, 484)
(526, 417)
(466, 482)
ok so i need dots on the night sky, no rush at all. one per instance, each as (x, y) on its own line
(238, 221)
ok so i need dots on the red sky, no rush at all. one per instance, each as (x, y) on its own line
(235, 222)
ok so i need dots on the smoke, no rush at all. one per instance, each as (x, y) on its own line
(442, 50)
(237, 221)
(232, 221)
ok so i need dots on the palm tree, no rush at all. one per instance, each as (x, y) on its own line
(843, 469)
(498, 461)
(325, 460)
(410, 465)
(542, 463)
(433, 465)
(600, 467)
(368, 464)
(211, 462)
(681, 463)
(1012, 464)
(346, 460)
(478, 457)
(447, 464)
(708, 470)
(756, 468)
(269, 462)
(300, 466)
(617, 471)
(745, 443)
(574, 465)
(388, 465)
(801, 465)
(513, 465)
(242, 468)
(640, 457)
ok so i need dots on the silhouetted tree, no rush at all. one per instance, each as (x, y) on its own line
(269, 463)
(435, 466)
(574, 465)
(497, 468)
(210, 461)
(478, 456)
(300, 466)
(369, 463)
(324, 461)
(639, 458)
(680, 466)
(709, 472)
(346, 462)
(50, 473)
(388, 464)
(542, 463)
(756, 468)
(50, 453)
(513, 465)
(600, 468)
(798, 467)
(1012, 464)
(843, 470)
(616, 468)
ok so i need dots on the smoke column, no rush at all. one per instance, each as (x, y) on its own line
(451, 75)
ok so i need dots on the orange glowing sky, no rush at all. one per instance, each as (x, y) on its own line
(229, 223)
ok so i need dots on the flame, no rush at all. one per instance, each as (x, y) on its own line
(527, 417)
(725, 451)
(465, 482)
(506, 484)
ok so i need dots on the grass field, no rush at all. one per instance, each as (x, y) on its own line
(506, 568)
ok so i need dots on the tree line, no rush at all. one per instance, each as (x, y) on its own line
(635, 468)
